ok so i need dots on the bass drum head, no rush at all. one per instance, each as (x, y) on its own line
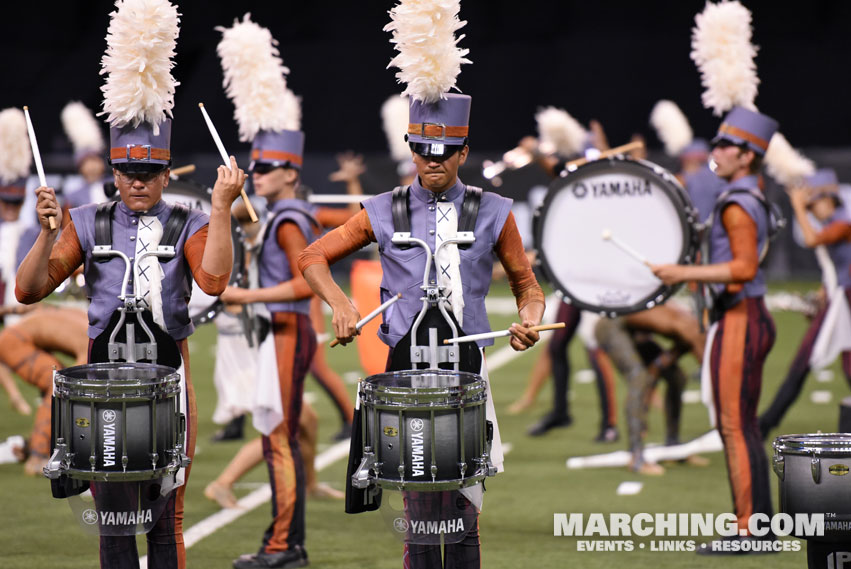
(203, 307)
(639, 204)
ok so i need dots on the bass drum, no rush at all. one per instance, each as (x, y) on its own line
(203, 307)
(593, 216)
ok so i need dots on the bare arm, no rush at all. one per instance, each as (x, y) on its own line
(17, 400)
(218, 251)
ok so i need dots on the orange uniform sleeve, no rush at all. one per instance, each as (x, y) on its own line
(292, 241)
(742, 233)
(66, 256)
(521, 278)
(834, 233)
(353, 235)
(193, 251)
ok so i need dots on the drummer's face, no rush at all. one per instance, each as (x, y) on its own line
(731, 161)
(140, 192)
(439, 173)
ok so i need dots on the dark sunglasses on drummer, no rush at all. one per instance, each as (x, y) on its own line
(263, 168)
(724, 143)
(435, 151)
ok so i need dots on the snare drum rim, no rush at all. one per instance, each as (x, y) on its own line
(788, 445)
(108, 389)
(686, 214)
(450, 397)
(192, 188)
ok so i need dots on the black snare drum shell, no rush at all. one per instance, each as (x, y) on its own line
(831, 495)
(414, 431)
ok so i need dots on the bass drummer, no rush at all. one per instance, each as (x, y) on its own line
(743, 331)
(436, 191)
(203, 252)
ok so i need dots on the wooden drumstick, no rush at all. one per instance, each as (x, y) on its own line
(363, 321)
(501, 333)
(37, 159)
(176, 172)
(251, 213)
(607, 236)
(622, 149)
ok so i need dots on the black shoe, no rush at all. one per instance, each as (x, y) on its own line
(739, 545)
(233, 431)
(345, 433)
(607, 435)
(296, 557)
(550, 421)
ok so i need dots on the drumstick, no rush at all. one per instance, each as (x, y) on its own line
(501, 333)
(607, 236)
(362, 322)
(251, 213)
(37, 158)
(622, 149)
(188, 169)
(337, 198)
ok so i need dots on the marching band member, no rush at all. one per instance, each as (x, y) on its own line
(743, 328)
(84, 133)
(140, 158)
(437, 151)
(819, 196)
(269, 114)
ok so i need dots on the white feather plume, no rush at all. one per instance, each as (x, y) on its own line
(255, 80)
(82, 128)
(557, 128)
(429, 59)
(394, 117)
(15, 152)
(784, 163)
(722, 49)
(140, 41)
(671, 126)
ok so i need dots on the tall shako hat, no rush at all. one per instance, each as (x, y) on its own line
(139, 88)
(744, 127)
(82, 130)
(429, 62)
(15, 155)
(267, 112)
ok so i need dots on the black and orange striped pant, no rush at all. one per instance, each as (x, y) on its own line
(295, 344)
(742, 341)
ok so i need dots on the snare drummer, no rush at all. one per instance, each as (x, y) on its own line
(743, 328)
(140, 159)
(437, 160)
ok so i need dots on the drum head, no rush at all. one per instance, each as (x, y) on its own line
(641, 207)
(203, 307)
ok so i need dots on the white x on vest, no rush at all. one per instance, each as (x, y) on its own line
(448, 260)
(148, 236)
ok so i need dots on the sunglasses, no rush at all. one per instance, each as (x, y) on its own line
(144, 177)
(263, 168)
(435, 151)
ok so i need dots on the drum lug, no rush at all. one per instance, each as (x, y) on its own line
(815, 468)
(779, 465)
(155, 457)
(362, 478)
(58, 461)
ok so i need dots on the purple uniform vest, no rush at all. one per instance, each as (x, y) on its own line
(403, 268)
(103, 279)
(840, 252)
(704, 187)
(719, 242)
(274, 265)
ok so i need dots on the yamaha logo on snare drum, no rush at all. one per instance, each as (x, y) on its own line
(109, 416)
(609, 187)
(90, 517)
(417, 460)
(400, 525)
(416, 424)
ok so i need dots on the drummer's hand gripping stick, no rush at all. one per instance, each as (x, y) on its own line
(363, 321)
(501, 333)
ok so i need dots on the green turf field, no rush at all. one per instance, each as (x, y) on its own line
(517, 521)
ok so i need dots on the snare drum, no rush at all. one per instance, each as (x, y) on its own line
(424, 430)
(813, 472)
(117, 422)
(639, 204)
(203, 307)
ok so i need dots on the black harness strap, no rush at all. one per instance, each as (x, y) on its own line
(174, 226)
(103, 224)
(469, 211)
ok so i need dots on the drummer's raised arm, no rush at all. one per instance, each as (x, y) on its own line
(218, 250)
(50, 261)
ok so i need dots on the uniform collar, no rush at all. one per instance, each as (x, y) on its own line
(158, 208)
(425, 195)
(750, 182)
